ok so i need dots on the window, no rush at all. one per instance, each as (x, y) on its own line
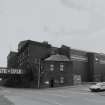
(19, 72)
(36, 61)
(97, 60)
(61, 67)
(51, 67)
(61, 79)
(56, 81)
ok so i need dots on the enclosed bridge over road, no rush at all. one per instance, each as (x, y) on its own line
(6, 73)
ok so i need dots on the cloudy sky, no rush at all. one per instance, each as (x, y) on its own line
(77, 23)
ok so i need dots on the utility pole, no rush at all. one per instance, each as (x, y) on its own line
(39, 64)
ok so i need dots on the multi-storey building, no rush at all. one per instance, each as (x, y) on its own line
(97, 66)
(80, 65)
(12, 60)
(57, 71)
(30, 54)
(48, 66)
(12, 74)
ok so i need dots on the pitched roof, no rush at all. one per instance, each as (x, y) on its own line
(57, 57)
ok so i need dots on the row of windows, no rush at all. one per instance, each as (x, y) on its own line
(16, 78)
(61, 67)
(23, 55)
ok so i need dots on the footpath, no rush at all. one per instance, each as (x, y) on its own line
(4, 100)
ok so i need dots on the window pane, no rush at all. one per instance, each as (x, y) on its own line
(51, 67)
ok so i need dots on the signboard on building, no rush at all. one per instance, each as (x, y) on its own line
(10, 71)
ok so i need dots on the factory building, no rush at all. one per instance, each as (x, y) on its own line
(47, 66)
(12, 60)
(97, 66)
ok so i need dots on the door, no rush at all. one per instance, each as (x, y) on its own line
(51, 83)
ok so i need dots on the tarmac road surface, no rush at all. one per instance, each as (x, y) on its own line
(4, 100)
(78, 95)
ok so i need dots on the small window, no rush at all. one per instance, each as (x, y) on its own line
(51, 67)
(36, 60)
(23, 54)
(61, 79)
(61, 67)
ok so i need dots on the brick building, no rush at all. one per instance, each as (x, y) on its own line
(30, 54)
(57, 71)
(48, 66)
(80, 65)
(12, 60)
(97, 66)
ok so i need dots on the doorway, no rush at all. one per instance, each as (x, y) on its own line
(51, 83)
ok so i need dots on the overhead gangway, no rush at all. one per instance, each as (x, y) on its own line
(10, 72)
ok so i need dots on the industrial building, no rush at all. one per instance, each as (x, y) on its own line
(47, 66)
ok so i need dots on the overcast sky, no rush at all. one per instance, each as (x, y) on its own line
(77, 23)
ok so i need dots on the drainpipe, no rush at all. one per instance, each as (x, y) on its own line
(39, 75)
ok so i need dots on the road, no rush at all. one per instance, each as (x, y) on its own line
(77, 95)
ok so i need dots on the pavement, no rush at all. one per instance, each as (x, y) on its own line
(4, 100)
(71, 95)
